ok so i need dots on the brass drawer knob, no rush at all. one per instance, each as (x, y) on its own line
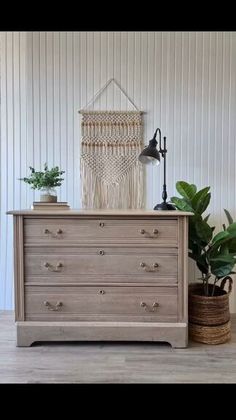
(101, 252)
(101, 224)
(148, 308)
(53, 307)
(142, 231)
(148, 268)
(54, 235)
(59, 265)
(155, 231)
(52, 268)
(101, 292)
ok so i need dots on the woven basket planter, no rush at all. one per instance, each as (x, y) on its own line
(209, 316)
(210, 335)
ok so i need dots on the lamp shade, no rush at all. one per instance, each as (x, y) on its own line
(150, 154)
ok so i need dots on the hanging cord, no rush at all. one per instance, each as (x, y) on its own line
(96, 96)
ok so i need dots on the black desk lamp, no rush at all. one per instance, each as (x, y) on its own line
(151, 155)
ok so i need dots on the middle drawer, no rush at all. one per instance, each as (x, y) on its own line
(96, 264)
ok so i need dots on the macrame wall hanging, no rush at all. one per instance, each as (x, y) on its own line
(111, 175)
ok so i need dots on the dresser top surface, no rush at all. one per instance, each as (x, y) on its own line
(99, 213)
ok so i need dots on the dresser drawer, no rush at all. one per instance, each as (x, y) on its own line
(79, 264)
(62, 231)
(101, 303)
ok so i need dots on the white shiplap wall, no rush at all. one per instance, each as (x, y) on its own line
(185, 83)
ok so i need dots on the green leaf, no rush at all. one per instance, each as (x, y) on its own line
(220, 270)
(194, 188)
(199, 196)
(207, 217)
(224, 249)
(223, 258)
(203, 203)
(203, 231)
(195, 237)
(220, 236)
(229, 217)
(181, 204)
(232, 246)
(232, 229)
(186, 190)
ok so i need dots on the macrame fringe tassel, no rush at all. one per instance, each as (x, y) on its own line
(127, 194)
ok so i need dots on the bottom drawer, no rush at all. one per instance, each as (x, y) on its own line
(85, 303)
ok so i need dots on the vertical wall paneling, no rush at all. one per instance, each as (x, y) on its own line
(36, 100)
(183, 81)
(10, 172)
(76, 74)
(147, 129)
(49, 98)
(111, 70)
(56, 80)
(23, 136)
(3, 190)
(71, 115)
(13, 150)
(63, 95)
(103, 67)
(31, 153)
(43, 99)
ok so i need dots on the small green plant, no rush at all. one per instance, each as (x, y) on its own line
(49, 178)
(213, 254)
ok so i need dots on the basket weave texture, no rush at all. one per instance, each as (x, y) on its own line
(209, 310)
(210, 335)
(209, 316)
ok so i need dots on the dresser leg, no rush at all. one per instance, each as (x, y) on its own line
(179, 344)
(180, 341)
(23, 338)
(23, 342)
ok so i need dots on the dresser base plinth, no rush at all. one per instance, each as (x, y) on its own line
(29, 332)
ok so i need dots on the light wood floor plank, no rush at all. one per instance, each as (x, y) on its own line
(113, 362)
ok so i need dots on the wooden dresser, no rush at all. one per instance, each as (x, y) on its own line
(101, 275)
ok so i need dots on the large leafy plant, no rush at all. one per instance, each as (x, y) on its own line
(49, 178)
(213, 254)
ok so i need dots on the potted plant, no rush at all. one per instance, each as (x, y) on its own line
(45, 181)
(214, 255)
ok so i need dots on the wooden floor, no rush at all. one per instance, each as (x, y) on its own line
(113, 362)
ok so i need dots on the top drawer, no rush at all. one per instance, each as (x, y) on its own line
(78, 231)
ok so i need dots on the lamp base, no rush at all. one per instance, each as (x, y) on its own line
(164, 206)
